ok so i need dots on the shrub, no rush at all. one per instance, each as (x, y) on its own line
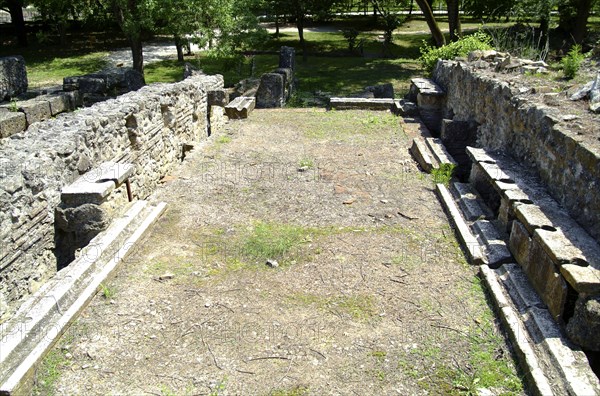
(462, 47)
(572, 62)
(350, 35)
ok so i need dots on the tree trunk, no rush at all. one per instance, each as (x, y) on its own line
(410, 10)
(454, 20)
(276, 26)
(583, 13)
(300, 26)
(137, 54)
(15, 8)
(438, 37)
(179, 47)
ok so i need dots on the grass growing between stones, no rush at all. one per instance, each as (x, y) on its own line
(49, 372)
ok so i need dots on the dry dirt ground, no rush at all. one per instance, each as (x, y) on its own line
(371, 295)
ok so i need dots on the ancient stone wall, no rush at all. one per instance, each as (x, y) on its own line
(150, 128)
(511, 121)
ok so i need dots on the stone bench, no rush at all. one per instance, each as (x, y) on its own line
(240, 107)
(96, 185)
(561, 260)
(362, 104)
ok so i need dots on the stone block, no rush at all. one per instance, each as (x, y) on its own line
(95, 185)
(516, 283)
(361, 104)
(271, 91)
(121, 79)
(520, 245)
(11, 122)
(470, 204)
(240, 107)
(35, 110)
(381, 91)
(420, 153)
(13, 76)
(92, 84)
(439, 152)
(584, 327)
(59, 103)
(75, 99)
(218, 98)
(405, 108)
(496, 251)
(532, 217)
(547, 280)
(585, 280)
(287, 58)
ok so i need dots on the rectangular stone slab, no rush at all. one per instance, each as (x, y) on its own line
(240, 107)
(584, 280)
(11, 122)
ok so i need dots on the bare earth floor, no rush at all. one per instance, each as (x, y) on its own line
(371, 296)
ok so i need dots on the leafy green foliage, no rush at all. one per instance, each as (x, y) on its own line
(430, 55)
(350, 35)
(572, 62)
(443, 174)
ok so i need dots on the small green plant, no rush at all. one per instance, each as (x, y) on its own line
(443, 174)
(306, 163)
(106, 291)
(49, 372)
(223, 139)
(572, 62)
(462, 47)
(13, 105)
(295, 391)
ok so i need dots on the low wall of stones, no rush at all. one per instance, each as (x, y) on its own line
(510, 122)
(150, 128)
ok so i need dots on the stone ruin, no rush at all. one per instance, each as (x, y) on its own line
(28, 107)
(525, 207)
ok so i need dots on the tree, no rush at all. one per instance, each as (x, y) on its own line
(15, 9)
(436, 33)
(391, 20)
(454, 19)
(574, 16)
(492, 10)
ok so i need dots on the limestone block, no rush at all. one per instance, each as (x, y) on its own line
(546, 280)
(584, 280)
(11, 122)
(584, 327)
(381, 91)
(287, 58)
(59, 103)
(520, 245)
(495, 248)
(470, 205)
(271, 91)
(240, 107)
(13, 76)
(35, 110)
(361, 104)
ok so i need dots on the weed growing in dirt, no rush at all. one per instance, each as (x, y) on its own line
(306, 163)
(49, 372)
(106, 291)
(13, 107)
(443, 174)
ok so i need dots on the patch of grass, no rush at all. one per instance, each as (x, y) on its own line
(443, 174)
(42, 70)
(275, 241)
(223, 139)
(298, 390)
(359, 307)
(49, 371)
(379, 355)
